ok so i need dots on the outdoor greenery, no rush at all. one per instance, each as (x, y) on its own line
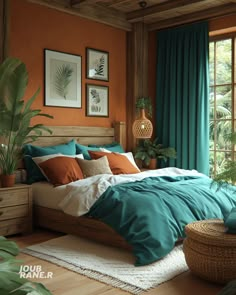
(229, 173)
(221, 116)
(148, 149)
(16, 114)
(10, 280)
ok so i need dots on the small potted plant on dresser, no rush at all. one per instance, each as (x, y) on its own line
(144, 103)
(149, 152)
(15, 118)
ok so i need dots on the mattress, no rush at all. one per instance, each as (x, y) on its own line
(46, 195)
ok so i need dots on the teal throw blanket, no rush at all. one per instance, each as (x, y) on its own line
(151, 214)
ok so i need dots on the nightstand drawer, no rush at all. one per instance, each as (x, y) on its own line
(14, 212)
(13, 197)
(15, 209)
(13, 226)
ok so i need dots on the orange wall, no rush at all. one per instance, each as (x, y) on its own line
(34, 27)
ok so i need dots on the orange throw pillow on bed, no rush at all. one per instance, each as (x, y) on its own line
(61, 170)
(118, 163)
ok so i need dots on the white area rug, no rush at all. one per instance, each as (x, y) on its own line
(107, 264)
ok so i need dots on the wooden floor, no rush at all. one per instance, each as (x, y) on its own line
(66, 282)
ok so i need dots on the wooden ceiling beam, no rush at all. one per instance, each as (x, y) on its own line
(137, 15)
(107, 16)
(78, 2)
(206, 14)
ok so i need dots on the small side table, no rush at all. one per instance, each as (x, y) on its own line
(15, 209)
(209, 251)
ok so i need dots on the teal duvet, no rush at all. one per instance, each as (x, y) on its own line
(151, 214)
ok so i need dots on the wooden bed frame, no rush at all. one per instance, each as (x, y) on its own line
(83, 226)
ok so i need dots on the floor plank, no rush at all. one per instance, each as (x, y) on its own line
(65, 282)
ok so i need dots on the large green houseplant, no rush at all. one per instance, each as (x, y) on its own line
(10, 279)
(15, 115)
(148, 150)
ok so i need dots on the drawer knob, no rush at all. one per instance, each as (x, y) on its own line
(1, 199)
(1, 213)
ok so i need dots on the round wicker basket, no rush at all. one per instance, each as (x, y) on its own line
(209, 251)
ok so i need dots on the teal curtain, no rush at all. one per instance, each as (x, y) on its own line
(182, 117)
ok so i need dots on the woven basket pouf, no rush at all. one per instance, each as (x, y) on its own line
(209, 251)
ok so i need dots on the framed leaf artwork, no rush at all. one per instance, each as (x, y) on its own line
(97, 64)
(62, 79)
(97, 100)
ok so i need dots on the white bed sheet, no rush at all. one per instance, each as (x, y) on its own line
(46, 195)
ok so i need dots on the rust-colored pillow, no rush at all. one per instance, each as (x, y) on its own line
(118, 163)
(61, 170)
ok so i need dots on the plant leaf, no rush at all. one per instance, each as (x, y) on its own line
(63, 79)
(99, 70)
(10, 281)
(15, 114)
(33, 289)
(8, 248)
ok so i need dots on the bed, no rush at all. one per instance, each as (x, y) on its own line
(113, 205)
(57, 220)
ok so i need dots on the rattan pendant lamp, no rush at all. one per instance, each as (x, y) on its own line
(142, 127)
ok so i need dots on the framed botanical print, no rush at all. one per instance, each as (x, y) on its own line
(62, 79)
(97, 64)
(97, 101)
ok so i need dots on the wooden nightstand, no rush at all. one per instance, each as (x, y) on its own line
(15, 209)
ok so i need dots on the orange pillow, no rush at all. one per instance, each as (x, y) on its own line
(61, 170)
(118, 163)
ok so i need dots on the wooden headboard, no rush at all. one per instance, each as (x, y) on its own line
(84, 135)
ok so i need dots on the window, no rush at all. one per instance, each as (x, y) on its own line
(222, 100)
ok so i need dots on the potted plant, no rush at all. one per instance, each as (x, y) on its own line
(149, 151)
(15, 117)
(145, 104)
(10, 280)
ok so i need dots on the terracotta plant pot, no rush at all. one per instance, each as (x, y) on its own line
(8, 180)
(153, 164)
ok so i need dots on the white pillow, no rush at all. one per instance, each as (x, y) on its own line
(128, 155)
(41, 159)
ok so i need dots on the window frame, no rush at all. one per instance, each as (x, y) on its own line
(214, 86)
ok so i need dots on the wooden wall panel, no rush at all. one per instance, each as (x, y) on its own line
(3, 29)
(137, 74)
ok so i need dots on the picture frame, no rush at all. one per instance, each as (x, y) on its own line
(97, 64)
(62, 79)
(97, 100)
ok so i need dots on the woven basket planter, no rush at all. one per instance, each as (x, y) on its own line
(209, 251)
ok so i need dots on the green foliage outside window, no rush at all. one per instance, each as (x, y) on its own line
(222, 119)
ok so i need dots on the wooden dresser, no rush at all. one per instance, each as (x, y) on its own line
(15, 209)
